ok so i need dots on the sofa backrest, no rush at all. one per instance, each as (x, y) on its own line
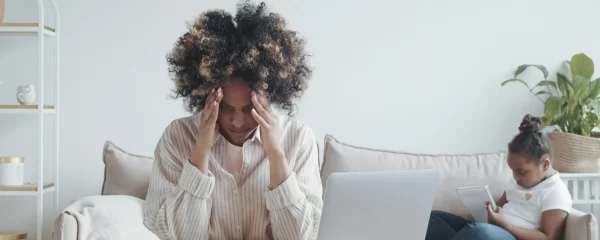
(456, 170)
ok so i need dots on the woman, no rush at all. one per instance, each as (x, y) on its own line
(535, 206)
(235, 168)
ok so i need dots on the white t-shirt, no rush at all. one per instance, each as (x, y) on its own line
(525, 206)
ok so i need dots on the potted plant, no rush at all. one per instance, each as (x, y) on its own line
(572, 109)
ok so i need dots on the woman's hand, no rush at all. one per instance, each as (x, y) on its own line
(207, 131)
(269, 129)
(270, 137)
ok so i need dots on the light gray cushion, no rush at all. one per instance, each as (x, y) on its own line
(125, 173)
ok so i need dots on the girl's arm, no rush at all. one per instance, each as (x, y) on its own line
(553, 222)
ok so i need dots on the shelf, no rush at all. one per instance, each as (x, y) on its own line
(25, 109)
(25, 190)
(13, 235)
(25, 28)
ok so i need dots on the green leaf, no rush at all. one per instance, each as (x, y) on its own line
(522, 68)
(564, 84)
(595, 106)
(514, 80)
(552, 107)
(582, 65)
(561, 122)
(547, 122)
(546, 83)
(591, 121)
(572, 104)
(542, 92)
(569, 96)
(581, 86)
(594, 89)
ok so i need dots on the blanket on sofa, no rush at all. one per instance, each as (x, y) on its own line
(110, 218)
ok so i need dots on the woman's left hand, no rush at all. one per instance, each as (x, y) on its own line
(269, 129)
(496, 217)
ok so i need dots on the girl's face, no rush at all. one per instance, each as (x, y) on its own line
(526, 171)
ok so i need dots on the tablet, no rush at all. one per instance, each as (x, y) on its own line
(474, 199)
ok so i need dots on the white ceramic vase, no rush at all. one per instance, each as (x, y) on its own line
(12, 171)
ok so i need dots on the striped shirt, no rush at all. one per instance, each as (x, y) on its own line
(182, 203)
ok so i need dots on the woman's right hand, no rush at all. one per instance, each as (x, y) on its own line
(208, 131)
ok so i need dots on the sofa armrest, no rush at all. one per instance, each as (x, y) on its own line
(65, 227)
(113, 217)
(581, 225)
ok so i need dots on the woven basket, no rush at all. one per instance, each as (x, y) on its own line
(572, 153)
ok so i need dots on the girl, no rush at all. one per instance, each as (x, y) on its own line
(534, 207)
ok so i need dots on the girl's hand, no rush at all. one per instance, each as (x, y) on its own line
(495, 217)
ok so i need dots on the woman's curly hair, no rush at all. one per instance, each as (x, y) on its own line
(254, 44)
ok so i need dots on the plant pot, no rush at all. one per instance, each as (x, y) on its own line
(572, 153)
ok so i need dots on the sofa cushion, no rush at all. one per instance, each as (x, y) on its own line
(456, 170)
(125, 173)
(581, 225)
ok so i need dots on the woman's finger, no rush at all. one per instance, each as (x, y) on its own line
(219, 95)
(208, 105)
(259, 119)
(260, 108)
(212, 102)
(215, 113)
(263, 101)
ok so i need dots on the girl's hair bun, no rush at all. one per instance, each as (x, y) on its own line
(530, 124)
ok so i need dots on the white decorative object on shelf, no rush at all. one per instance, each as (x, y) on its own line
(26, 94)
(40, 31)
(12, 171)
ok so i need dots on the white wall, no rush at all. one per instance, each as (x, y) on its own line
(421, 76)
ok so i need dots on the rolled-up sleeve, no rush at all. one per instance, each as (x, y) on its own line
(295, 205)
(178, 203)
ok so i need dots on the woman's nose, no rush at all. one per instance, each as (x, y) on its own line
(238, 119)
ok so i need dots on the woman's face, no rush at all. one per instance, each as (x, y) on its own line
(526, 171)
(235, 112)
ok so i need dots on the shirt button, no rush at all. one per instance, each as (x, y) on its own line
(235, 191)
(238, 227)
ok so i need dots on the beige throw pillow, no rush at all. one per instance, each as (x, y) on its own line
(125, 173)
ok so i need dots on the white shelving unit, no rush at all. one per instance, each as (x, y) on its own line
(41, 31)
(584, 187)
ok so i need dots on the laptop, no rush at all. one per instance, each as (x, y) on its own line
(378, 205)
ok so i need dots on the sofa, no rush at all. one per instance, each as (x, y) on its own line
(126, 180)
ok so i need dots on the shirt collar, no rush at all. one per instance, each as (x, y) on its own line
(256, 135)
